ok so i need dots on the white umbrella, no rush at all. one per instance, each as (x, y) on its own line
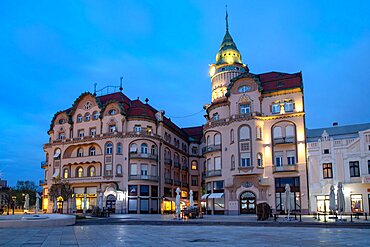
(178, 209)
(100, 200)
(74, 204)
(341, 201)
(332, 206)
(84, 208)
(55, 205)
(288, 201)
(191, 198)
(37, 207)
(27, 203)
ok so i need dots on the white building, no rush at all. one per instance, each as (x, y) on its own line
(339, 154)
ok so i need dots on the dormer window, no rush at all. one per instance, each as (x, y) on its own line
(62, 121)
(275, 108)
(244, 88)
(112, 128)
(112, 112)
(79, 118)
(215, 116)
(244, 108)
(288, 106)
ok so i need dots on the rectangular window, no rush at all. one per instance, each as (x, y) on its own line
(275, 108)
(81, 133)
(354, 168)
(356, 203)
(144, 170)
(327, 170)
(61, 136)
(93, 131)
(137, 128)
(112, 128)
(326, 151)
(132, 190)
(288, 106)
(245, 160)
(244, 108)
(194, 180)
(209, 187)
(291, 157)
(154, 191)
(133, 169)
(208, 165)
(154, 170)
(368, 166)
(279, 159)
(217, 163)
(218, 186)
(144, 190)
(244, 146)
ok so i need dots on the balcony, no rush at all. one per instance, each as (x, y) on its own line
(143, 177)
(42, 182)
(83, 159)
(185, 167)
(212, 173)
(98, 179)
(177, 182)
(211, 148)
(168, 181)
(143, 156)
(44, 164)
(177, 164)
(285, 168)
(168, 161)
(284, 140)
(184, 184)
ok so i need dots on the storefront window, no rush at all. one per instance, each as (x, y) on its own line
(218, 186)
(280, 192)
(356, 203)
(154, 192)
(144, 190)
(132, 190)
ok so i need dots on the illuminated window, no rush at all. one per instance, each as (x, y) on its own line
(327, 170)
(194, 165)
(91, 171)
(275, 108)
(80, 172)
(243, 89)
(65, 173)
(356, 203)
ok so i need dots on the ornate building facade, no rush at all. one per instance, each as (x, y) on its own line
(339, 154)
(252, 144)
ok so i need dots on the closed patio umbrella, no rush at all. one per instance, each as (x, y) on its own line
(100, 200)
(332, 206)
(85, 206)
(74, 204)
(288, 202)
(178, 209)
(191, 199)
(340, 199)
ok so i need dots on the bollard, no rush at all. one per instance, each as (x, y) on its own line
(275, 217)
(300, 217)
(318, 217)
(366, 216)
(351, 218)
(295, 216)
(325, 218)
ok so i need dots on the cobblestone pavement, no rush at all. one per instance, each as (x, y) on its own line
(147, 235)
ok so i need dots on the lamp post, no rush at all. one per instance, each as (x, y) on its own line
(23, 195)
(13, 202)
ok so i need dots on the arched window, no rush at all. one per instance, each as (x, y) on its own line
(91, 171)
(153, 150)
(119, 148)
(79, 172)
(112, 112)
(244, 88)
(95, 115)
(119, 170)
(232, 162)
(217, 139)
(194, 165)
(87, 116)
(258, 132)
(167, 153)
(109, 148)
(232, 135)
(144, 148)
(92, 151)
(208, 140)
(289, 131)
(79, 118)
(65, 173)
(80, 152)
(215, 116)
(244, 133)
(259, 160)
(133, 148)
(176, 157)
(57, 154)
(277, 132)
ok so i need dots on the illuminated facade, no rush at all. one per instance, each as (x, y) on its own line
(254, 137)
(339, 154)
(125, 149)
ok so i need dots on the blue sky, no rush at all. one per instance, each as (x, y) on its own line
(163, 49)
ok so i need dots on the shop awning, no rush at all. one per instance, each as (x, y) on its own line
(56, 173)
(204, 196)
(216, 195)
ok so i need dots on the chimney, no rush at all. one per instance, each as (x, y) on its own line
(335, 124)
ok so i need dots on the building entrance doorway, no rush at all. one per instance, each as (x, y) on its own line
(247, 203)
(60, 201)
(111, 203)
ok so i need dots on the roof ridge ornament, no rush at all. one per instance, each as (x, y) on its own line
(227, 19)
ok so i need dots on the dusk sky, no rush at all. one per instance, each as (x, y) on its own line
(50, 53)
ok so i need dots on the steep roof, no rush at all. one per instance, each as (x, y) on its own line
(275, 81)
(194, 133)
(337, 132)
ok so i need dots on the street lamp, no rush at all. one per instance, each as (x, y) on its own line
(14, 198)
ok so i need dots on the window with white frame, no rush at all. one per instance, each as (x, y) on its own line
(137, 128)
(259, 160)
(93, 132)
(96, 115)
(244, 88)
(133, 148)
(215, 116)
(244, 133)
(288, 106)
(245, 160)
(144, 148)
(133, 169)
(275, 108)
(291, 157)
(81, 133)
(244, 108)
(79, 118)
(61, 136)
(277, 132)
(109, 148)
(144, 170)
(278, 158)
(217, 163)
(92, 151)
(112, 128)
(80, 152)
(87, 117)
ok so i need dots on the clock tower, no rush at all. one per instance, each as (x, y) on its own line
(228, 65)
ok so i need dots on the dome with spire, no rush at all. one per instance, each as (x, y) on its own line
(228, 53)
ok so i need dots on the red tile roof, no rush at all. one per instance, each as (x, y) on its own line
(275, 81)
(194, 132)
